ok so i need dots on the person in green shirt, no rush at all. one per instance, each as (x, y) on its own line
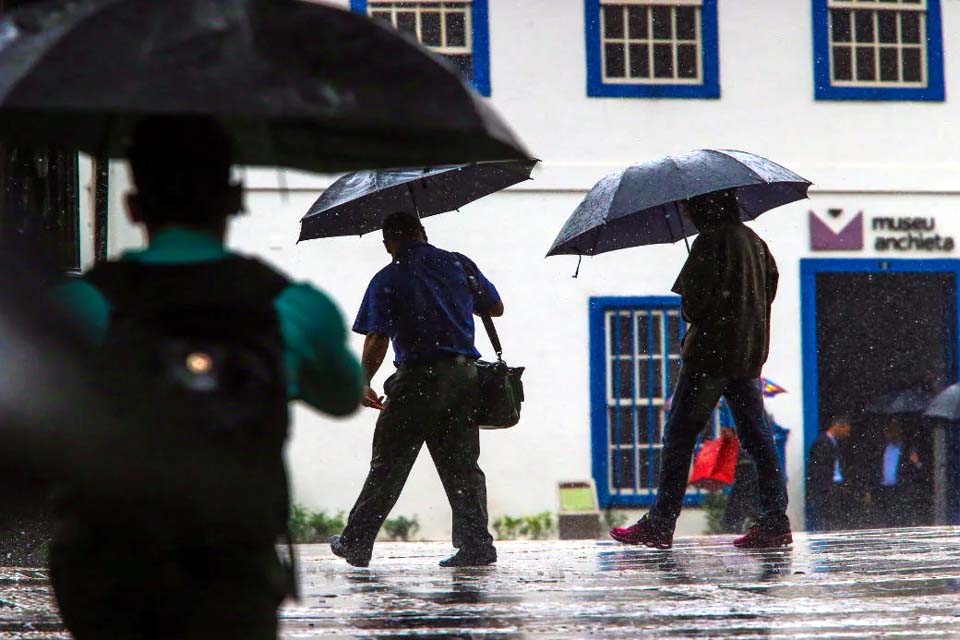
(225, 342)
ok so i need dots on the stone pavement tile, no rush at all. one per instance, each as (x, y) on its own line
(865, 584)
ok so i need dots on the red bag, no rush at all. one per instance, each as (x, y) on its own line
(716, 463)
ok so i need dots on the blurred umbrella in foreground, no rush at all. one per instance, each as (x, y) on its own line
(358, 202)
(643, 204)
(298, 84)
(901, 402)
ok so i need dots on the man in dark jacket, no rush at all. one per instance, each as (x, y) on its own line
(827, 490)
(727, 286)
(423, 304)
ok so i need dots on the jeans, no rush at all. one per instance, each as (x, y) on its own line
(694, 399)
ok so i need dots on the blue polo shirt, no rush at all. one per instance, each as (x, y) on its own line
(423, 303)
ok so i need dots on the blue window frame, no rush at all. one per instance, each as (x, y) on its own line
(634, 361)
(652, 48)
(869, 50)
(457, 30)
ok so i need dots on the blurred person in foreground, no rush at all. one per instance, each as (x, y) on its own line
(221, 343)
(828, 490)
(727, 286)
(423, 302)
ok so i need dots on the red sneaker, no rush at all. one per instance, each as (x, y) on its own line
(766, 535)
(645, 533)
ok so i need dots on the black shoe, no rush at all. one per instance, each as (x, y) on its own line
(471, 558)
(342, 549)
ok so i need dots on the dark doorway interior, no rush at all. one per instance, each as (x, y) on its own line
(879, 334)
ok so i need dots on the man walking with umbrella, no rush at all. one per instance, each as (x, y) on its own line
(424, 303)
(727, 287)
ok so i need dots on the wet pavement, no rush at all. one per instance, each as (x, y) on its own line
(867, 584)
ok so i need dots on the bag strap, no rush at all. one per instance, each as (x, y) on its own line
(488, 325)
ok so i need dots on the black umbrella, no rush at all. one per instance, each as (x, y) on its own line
(298, 84)
(358, 202)
(643, 204)
(901, 402)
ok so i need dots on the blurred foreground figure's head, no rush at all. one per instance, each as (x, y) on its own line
(712, 209)
(840, 427)
(400, 230)
(181, 170)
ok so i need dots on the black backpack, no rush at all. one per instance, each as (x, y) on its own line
(203, 342)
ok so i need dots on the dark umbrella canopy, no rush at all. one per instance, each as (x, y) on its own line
(643, 204)
(298, 84)
(901, 402)
(357, 203)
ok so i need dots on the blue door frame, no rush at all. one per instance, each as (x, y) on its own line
(809, 269)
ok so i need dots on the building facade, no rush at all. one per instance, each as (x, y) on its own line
(856, 95)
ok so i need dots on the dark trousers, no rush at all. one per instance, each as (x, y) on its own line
(435, 405)
(834, 508)
(694, 399)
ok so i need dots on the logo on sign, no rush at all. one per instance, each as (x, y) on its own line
(848, 238)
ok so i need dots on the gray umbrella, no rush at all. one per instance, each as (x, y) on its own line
(901, 402)
(643, 203)
(358, 202)
(297, 84)
(946, 405)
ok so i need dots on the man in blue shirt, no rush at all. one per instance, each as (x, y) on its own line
(422, 302)
(899, 495)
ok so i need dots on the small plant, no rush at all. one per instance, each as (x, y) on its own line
(507, 527)
(715, 504)
(401, 528)
(533, 527)
(612, 518)
(311, 527)
(538, 526)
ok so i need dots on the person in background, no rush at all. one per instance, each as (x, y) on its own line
(727, 286)
(423, 303)
(897, 492)
(222, 343)
(828, 492)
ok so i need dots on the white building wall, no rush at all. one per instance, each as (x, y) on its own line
(890, 158)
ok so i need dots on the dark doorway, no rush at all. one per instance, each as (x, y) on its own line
(879, 334)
